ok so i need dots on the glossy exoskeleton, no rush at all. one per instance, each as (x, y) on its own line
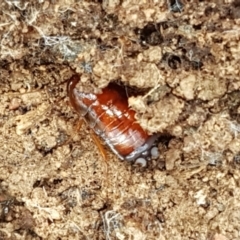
(110, 117)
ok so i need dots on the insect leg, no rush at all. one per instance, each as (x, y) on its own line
(99, 145)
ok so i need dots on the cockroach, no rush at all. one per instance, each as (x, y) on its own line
(109, 116)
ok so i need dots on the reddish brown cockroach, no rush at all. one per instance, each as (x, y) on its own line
(110, 118)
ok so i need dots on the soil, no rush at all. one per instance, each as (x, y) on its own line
(182, 58)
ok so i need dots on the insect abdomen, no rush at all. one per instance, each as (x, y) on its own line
(110, 117)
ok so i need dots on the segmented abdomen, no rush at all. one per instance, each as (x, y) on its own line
(110, 117)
